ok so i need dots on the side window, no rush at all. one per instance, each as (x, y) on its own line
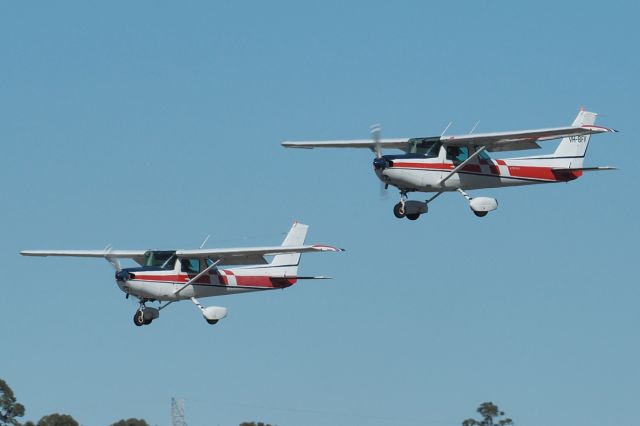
(457, 154)
(191, 266)
(484, 156)
(433, 151)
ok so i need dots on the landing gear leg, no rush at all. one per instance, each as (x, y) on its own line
(464, 194)
(138, 317)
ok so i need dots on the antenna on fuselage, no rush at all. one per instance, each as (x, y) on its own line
(446, 128)
(473, 129)
(205, 241)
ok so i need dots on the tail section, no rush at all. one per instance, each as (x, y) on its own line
(282, 271)
(289, 262)
(573, 148)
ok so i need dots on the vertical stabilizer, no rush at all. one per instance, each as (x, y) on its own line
(295, 237)
(573, 148)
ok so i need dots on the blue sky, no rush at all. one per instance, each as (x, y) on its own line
(152, 124)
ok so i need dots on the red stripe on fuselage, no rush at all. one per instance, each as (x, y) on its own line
(248, 281)
(529, 172)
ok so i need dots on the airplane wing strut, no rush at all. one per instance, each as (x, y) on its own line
(204, 271)
(464, 163)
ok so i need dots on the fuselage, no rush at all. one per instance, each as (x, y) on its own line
(156, 283)
(418, 172)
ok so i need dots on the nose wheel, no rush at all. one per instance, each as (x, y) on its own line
(144, 315)
(398, 210)
(138, 318)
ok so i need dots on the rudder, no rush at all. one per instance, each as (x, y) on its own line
(574, 148)
(295, 237)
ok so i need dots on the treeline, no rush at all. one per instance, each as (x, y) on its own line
(11, 411)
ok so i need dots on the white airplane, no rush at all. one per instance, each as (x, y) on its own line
(459, 163)
(173, 275)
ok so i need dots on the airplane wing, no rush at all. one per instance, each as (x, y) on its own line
(522, 139)
(400, 143)
(250, 255)
(496, 141)
(136, 255)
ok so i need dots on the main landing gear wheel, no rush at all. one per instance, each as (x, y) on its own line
(413, 216)
(138, 318)
(398, 211)
(480, 214)
(212, 321)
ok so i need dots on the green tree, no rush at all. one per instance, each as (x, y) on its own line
(490, 413)
(58, 420)
(9, 407)
(131, 422)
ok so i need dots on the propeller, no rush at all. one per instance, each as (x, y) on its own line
(115, 262)
(112, 260)
(375, 136)
(379, 162)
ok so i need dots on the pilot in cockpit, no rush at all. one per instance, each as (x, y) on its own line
(187, 266)
(457, 154)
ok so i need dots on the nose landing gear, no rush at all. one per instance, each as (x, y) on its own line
(411, 209)
(145, 315)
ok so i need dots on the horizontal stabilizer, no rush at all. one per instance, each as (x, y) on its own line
(583, 169)
(321, 277)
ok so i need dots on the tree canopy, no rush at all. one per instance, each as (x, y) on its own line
(131, 422)
(10, 409)
(56, 419)
(490, 413)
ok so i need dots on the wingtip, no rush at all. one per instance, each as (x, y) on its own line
(322, 247)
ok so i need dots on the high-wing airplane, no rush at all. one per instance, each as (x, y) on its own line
(173, 275)
(459, 163)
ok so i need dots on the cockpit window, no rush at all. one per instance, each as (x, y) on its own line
(191, 266)
(433, 151)
(429, 147)
(160, 259)
(484, 156)
(457, 154)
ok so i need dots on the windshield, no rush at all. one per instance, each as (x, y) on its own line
(429, 147)
(160, 259)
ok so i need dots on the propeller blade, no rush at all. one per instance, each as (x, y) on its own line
(114, 261)
(375, 135)
(384, 194)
